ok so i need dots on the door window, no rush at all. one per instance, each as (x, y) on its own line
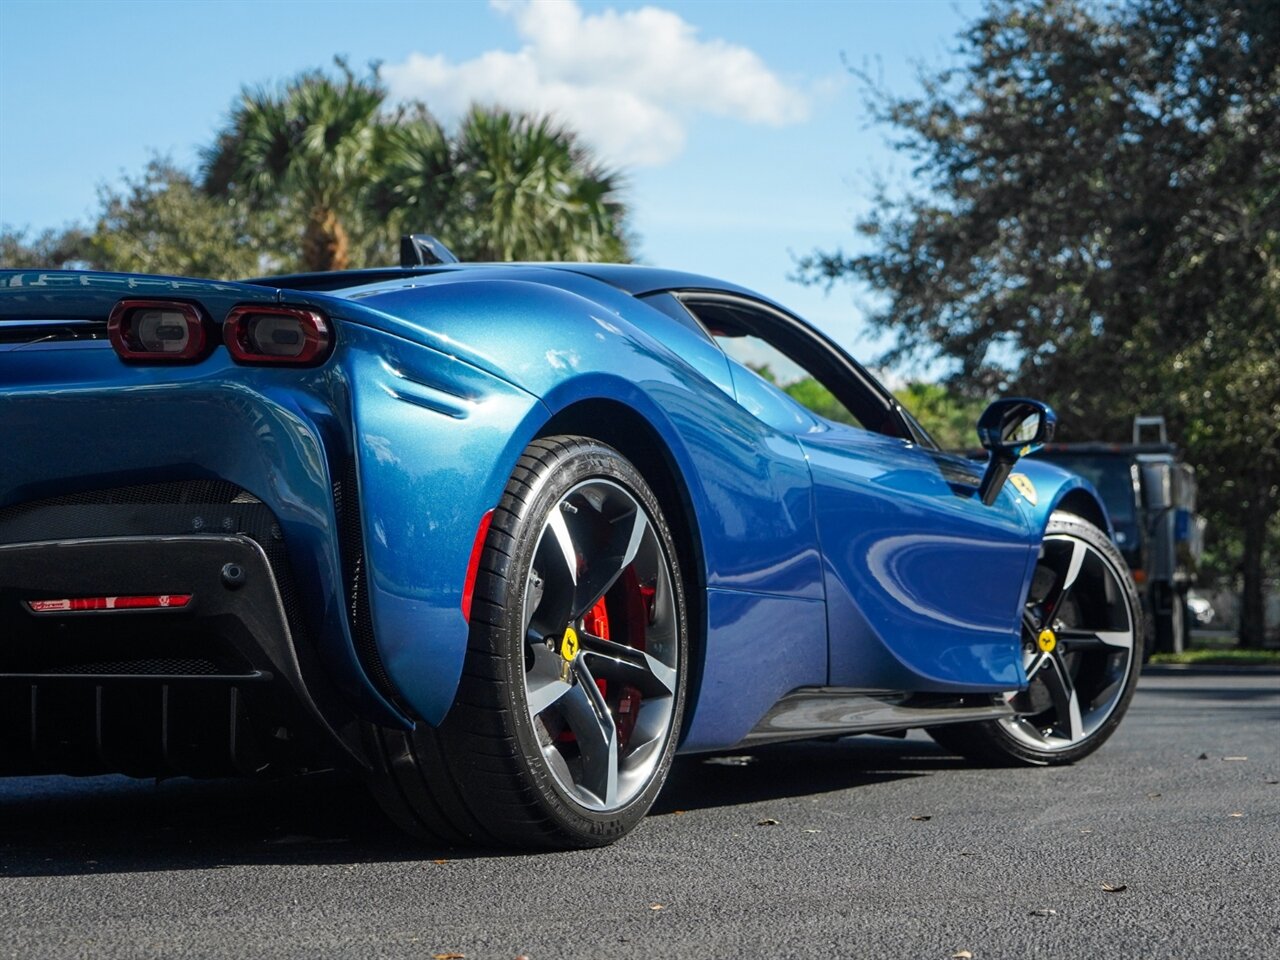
(774, 367)
(794, 359)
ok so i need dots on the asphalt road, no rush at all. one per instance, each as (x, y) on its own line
(883, 848)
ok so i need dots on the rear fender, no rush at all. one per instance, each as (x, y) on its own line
(438, 433)
(435, 441)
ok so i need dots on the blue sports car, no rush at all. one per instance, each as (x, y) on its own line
(507, 537)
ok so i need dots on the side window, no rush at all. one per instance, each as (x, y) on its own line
(732, 328)
(773, 366)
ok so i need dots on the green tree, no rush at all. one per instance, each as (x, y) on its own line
(525, 189)
(1097, 222)
(329, 154)
(162, 222)
(416, 189)
(310, 148)
(949, 416)
(49, 248)
(808, 392)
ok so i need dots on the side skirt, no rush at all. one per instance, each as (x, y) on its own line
(814, 712)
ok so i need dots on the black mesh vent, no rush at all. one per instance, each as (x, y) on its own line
(185, 491)
(153, 667)
(351, 543)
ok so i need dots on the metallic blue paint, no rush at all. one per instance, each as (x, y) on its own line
(828, 554)
(753, 647)
(929, 580)
(75, 418)
(1053, 485)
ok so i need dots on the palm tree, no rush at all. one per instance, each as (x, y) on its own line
(525, 189)
(311, 149)
(323, 152)
(415, 190)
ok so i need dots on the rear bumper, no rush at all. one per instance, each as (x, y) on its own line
(219, 686)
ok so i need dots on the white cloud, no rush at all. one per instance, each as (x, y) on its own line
(629, 82)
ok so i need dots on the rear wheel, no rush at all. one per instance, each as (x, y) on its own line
(1082, 639)
(567, 717)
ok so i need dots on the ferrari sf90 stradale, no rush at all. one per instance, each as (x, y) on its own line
(505, 538)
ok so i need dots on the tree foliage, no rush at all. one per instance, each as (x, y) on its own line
(323, 173)
(357, 174)
(312, 148)
(1098, 223)
(163, 222)
(49, 248)
(949, 416)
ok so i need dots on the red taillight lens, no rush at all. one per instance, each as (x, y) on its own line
(162, 601)
(277, 335)
(157, 331)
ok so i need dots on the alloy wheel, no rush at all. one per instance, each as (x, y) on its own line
(601, 656)
(1078, 635)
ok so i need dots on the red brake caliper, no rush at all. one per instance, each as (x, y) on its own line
(639, 612)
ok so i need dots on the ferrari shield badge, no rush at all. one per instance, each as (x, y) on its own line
(568, 650)
(1025, 487)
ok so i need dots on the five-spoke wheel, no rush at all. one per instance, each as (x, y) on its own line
(601, 665)
(1082, 640)
(569, 708)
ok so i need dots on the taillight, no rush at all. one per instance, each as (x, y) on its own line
(276, 335)
(157, 331)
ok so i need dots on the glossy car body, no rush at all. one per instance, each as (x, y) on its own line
(819, 555)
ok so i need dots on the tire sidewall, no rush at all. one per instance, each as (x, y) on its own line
(577, 461)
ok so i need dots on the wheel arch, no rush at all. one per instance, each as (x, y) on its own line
(1083, 504)
(1053, 488)
(635, 437)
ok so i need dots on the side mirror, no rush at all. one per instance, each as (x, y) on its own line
(1010, 429)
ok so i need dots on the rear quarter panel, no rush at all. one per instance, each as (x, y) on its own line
(440, 425)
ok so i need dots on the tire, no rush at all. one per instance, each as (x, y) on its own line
(569, 710)
(1083, 637)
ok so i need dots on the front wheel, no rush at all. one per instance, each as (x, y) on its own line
(569, 709)
(1082, 639)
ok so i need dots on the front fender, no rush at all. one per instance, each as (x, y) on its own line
(1052, 488)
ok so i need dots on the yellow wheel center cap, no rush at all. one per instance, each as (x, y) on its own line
(569, 644)
(1047, 640)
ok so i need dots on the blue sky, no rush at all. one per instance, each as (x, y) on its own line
(742, 136)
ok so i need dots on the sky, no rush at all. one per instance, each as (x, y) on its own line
(743, 138)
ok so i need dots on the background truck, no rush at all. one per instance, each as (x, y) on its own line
(1151, 496)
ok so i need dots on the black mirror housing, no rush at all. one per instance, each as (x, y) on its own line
(1011, 428)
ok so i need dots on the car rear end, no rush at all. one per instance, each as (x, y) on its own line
(181, 552)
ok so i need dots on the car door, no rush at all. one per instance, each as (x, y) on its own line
(923, 582)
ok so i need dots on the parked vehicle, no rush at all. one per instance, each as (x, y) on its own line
(1151, 498)
(507, 537)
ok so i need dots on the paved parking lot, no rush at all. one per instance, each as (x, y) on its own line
(883, 848)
